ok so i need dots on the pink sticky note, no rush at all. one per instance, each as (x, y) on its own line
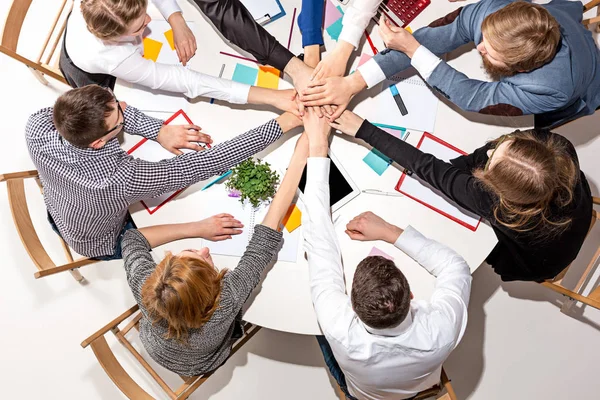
(394, 132)
(364, 57)
(332, 14)
(376, 252)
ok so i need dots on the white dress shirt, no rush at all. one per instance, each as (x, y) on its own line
(124, 60)
(393, 363)
(356, 19)
(423, 60)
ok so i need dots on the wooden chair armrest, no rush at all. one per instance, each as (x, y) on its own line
(110, 326)
(21, 175)
(596, 200)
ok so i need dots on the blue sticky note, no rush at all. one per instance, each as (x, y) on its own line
(377, 161)
(335, 29)
(244, 74)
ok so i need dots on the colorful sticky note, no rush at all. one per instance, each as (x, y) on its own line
(169, 36)
(151, 49)
(244, 74)
(399, 133)
(293, 218)
(332, 14)
(377, 252)
(364, 58)
(377, 161)
(268, 77)
(408, 29)
(335, 29)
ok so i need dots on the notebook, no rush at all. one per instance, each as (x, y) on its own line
(250, 217)
(158, 47)
(264, 11)
(151, 150)
(418, 98)
(418, 190)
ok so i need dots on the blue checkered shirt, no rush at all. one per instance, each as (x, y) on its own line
(88, 191)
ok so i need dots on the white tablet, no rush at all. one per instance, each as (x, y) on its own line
(341, 188)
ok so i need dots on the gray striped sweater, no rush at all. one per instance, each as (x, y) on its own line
(207, 347)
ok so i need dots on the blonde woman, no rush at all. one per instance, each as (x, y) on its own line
(527, 184)
(190, 309)
(103, 41)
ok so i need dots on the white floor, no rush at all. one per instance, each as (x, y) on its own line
(518, 345)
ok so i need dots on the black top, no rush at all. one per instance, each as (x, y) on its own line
(517, 256)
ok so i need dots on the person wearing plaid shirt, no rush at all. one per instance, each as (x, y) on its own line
(89, 181)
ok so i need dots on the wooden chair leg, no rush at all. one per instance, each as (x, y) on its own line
(39, 76)
(451, 395)
(74, 272)
(341, 393)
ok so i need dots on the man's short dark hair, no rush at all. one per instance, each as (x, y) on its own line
(380, 293)
(79, 114)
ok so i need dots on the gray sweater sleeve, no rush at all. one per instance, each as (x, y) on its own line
(241, 281)
(139, 263)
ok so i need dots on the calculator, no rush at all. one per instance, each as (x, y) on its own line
(401, 12)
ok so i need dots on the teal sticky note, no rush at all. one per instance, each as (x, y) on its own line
(377, 161)
(244, 74)
(335, 29)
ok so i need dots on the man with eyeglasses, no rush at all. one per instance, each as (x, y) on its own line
(90, 181)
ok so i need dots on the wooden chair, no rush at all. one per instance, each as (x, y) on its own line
(587, 7)
(427, 393)
(123, 380)
(593, 298)
(12, 30)
(22, 219)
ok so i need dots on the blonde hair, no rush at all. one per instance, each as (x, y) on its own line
(109, 19)
(525, 34)
(533, 176)
(184, 292)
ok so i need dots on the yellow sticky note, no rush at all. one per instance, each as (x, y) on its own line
(169, 35)
(408, 29)
(293, 218)
(152, 49)
(268, 77)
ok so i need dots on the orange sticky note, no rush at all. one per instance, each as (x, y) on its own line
(268, 77)
(152, 49)
(293, 218)
(169, 35)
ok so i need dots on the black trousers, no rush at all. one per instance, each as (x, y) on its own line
(78, 77)
(235, 22)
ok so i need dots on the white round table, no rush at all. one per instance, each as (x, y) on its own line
(282, 300)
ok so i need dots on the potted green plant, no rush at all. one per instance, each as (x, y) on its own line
(254, 180)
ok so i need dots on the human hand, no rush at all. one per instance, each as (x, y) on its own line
(368, 226)
(300, 73)
(348, 123)
(333, 64)
(184, 39)
(218, 227)
(317, 130)
(397, 38)
(334, 90)
(175, 137)
(285, 100)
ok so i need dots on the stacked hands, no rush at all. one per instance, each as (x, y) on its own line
(318, 102)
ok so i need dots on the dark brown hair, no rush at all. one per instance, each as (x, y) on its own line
(535, 174)
(380, 293)
(109, 19)
(80, 114)
(184, 292)
(525, 34)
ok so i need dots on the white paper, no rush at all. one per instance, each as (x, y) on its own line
(413, 186)
(236, 246)
(260, 8)
(153, 151)
(418, 98)
(143, 97)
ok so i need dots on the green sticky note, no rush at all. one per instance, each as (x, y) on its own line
(244, 74)
(377, 161)
(335, 29)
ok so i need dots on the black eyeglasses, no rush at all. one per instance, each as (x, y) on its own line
(120, 124)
